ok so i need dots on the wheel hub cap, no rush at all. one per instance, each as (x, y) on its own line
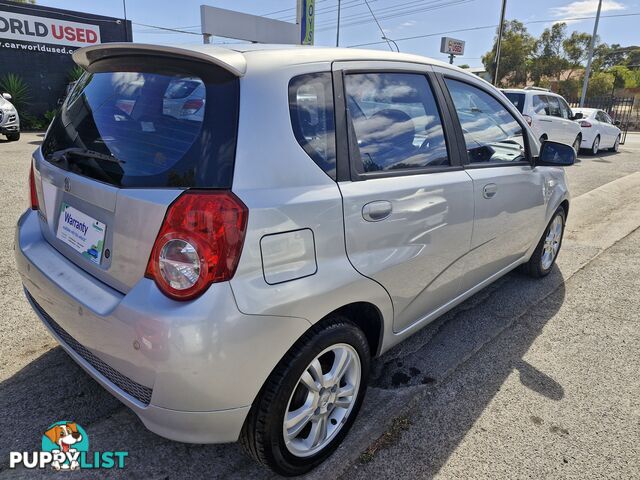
(322, 400)
(552, 242)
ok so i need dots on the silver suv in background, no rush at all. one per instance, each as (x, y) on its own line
(548, 114)
(230, 275)
(9, 119)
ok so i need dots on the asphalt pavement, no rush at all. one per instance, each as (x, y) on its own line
(527, 379)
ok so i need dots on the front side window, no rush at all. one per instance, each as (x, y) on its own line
(554, 106)
(540, 106)
(564, 109)
(395, 121)
(491, 133)
(311, 110)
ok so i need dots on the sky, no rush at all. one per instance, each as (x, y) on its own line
(398, 18)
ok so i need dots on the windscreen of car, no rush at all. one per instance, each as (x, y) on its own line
(517, 99)
(134, 124)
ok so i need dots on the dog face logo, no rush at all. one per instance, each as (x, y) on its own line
(68, 439)
(64, 435)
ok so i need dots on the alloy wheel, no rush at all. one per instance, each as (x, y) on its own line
(616, 146)
(322, 400)
(552, 242)
(595, 146)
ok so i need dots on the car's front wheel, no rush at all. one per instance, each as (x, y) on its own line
(13, 137)
(546, 252)
(311, 399)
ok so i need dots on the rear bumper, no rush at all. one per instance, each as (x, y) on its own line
(189, 370)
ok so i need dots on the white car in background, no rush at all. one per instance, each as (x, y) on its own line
(548, 114)
(598, 130)
(9, 119)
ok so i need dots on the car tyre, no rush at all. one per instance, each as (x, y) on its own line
(13, 137)
(596, 145)
(548, 248)
(616, 145)
(576, 143)
(286, 392)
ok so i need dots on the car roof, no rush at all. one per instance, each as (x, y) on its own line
(530, 90)
(237, 58)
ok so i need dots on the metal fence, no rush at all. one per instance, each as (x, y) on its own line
(618, 108)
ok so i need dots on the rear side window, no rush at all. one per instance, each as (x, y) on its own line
(517, 99)
(395, 121)
(146, 123)
(311, 110)
(491, 133)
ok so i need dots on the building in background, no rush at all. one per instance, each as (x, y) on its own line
(36, 44)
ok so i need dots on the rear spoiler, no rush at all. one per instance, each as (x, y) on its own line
(230, 60)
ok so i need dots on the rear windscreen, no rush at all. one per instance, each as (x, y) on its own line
(517, 99)
(140, 125)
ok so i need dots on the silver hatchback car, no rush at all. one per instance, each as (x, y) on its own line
(230, 275)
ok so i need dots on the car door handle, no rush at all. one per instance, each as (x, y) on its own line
(545, 120)
(376, 211)
(489, 190)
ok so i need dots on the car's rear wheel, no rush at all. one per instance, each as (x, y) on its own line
(596, 145)
(576, 143)
(546, 252)
(311, 399)
(616, 145)
(13, 137)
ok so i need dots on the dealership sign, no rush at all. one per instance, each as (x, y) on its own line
(29, 28)
(452, 46)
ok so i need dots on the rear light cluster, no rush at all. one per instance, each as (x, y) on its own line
(33, 194)
(192, 106)
(528, 119)
(199, 243)
(585, 124)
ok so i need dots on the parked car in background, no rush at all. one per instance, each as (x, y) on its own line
(250, 262)
(548, 114)
(9, 119)
(598, 130)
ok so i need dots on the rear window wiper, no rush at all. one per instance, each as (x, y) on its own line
(82, 152)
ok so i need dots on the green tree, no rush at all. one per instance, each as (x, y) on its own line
(576, 50)
(32, 2)
(516, 48)
(623, 77)
(548, 59)
(600, 83)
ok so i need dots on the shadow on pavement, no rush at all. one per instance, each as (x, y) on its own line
(454, 404)
(53, 388)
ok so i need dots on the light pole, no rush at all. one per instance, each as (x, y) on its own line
(338, 29)
(387, 39)
(587, 71)
(499, 42)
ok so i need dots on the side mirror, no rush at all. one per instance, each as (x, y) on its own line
(577, 116)
(6, 96)
(617, 123)
(554, 154)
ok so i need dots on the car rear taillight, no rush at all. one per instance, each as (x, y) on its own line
(32, 190)
(192, 106)
(528, 119)
(585, 124)
(199, 243)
